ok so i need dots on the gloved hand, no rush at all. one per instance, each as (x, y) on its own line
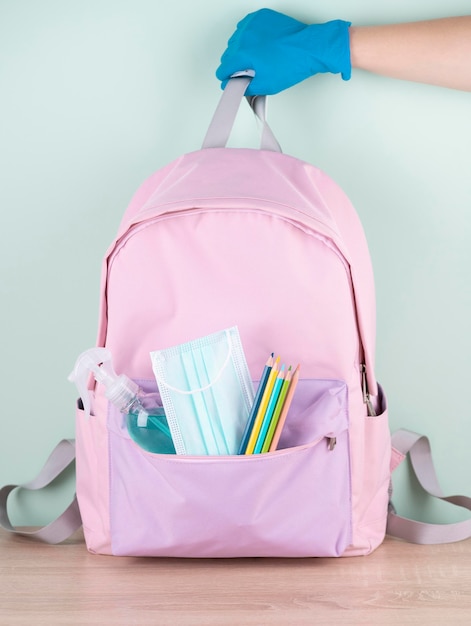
(283, 51)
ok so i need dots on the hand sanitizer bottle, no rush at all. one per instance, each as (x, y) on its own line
(147, 426)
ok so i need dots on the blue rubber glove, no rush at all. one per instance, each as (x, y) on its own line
(283, 51)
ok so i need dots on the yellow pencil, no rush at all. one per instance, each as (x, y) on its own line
(284, 412)
(278, 410)
(263, 407)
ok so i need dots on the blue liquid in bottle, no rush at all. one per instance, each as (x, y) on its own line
(155, 436)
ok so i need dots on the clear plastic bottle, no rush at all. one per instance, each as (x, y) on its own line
(145, 420)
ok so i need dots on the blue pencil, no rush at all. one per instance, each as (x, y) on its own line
(256, 404)
(270, 410)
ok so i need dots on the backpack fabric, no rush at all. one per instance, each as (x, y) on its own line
(256, 239)
(226, 237)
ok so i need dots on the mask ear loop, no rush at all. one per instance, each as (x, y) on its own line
(209, 385)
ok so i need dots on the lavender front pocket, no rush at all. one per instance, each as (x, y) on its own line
(293, 502)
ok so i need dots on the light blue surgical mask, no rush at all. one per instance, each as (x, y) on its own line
(206, 391)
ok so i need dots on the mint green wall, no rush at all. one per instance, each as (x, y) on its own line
(97, 94)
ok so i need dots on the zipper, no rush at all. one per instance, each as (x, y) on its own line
(366, 393)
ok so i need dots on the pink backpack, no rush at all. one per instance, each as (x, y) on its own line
(253, 238)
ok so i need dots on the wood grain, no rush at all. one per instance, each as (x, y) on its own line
(398, 584)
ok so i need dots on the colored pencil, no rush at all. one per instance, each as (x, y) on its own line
(262, 408)
(284, 412)
(256, 404)
(277, 412)
(270, 409)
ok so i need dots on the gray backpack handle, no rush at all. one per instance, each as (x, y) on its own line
(224, 117)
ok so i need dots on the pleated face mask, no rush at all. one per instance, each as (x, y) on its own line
(206, 391)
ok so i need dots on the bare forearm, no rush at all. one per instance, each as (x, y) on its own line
(436, 52)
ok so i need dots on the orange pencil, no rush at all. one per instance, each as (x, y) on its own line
(287, 404)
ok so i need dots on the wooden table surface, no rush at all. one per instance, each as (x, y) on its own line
(400, 584)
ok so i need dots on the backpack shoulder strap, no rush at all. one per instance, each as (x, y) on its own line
(69, 521)
(418, 447)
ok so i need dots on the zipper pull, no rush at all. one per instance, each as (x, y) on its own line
(366, 393)
(331, 443)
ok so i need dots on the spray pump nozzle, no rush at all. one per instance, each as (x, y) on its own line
(120, 390)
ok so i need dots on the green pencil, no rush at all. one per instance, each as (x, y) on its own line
(285, 409)
(277, 412)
